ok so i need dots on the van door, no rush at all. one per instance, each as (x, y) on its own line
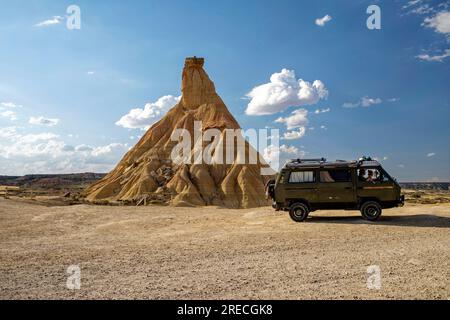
(302, 184)
(336, 187)
(376, 183)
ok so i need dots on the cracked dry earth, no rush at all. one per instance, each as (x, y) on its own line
(213, 253)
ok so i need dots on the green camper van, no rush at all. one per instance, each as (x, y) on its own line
(306, 185)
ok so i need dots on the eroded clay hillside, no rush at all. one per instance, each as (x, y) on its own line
(148, 174)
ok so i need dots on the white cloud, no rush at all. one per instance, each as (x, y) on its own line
(296, 134)
(6, 112)
(363, 102)
(151, 113)
(322, 21)
(8, 132)
(394, 99)
(284, 91)
(289, 149)
(440, 22)
(42, 121)
(435, 57)
(319, 111)
(323, 127)
(438, 19)
(83, 148)
(46, 153)
(27, 145)
(275, 156)
(108, 149)
(411, 3)
(423, 9)
(9, 114)
(297, 119)
(431, 154)
(33, 138)
(367, 102)
(90, 73)
(50, 22)
(418, 7)
(10, 105)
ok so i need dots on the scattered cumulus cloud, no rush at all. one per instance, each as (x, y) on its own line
(8, 132)
(431, 154)
(437, 57)
(367, 102)
(411, 3)
(143, 118)
(363, 102)
(42, 121)
(322, 21)
(8, 114)
(84, 148)
(297, 119)
(296, 134)
(319, 111)
(11, 105)
(289, 149)
(439, 22)
(284, 91)
(50, 22)
(46, 152)
(435, 17)
(418, 7)
(275, 156)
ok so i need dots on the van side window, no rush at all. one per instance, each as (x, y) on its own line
(302, 177)
(335, 175)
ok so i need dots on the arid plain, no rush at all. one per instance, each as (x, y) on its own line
(159, 252)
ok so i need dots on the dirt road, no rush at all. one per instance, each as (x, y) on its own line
(201, 253)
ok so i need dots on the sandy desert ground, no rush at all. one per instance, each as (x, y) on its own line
(211, 253)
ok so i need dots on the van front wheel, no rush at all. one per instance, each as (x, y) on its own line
(371, 210)
(299, 212)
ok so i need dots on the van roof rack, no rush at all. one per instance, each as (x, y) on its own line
(308, 160)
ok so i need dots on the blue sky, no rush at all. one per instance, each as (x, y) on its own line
(62, 91)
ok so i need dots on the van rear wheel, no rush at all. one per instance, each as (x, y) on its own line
(371, 210)
(299, 212)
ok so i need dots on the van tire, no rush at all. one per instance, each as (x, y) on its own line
(299, 212)
(371, 210)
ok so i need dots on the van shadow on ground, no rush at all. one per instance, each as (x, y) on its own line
(419, 220)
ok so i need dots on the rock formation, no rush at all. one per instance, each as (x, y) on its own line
(147, 173)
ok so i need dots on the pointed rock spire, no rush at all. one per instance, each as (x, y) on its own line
(147, 174)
